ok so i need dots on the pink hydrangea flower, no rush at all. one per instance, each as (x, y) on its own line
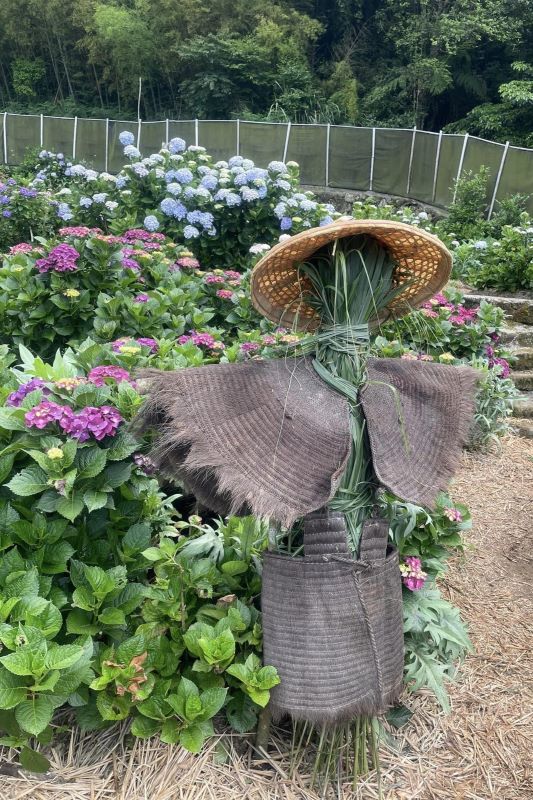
(23, 247)
(224, 294)
(79, 230)
(453, 514)
(232, 275)
(214, 279)
(268, 339)
(141, 298)
(98, 374)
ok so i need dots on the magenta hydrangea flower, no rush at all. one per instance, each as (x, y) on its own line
(43, 414)
(130, 263)
(61, 258)
(199, 339)
(224, 294)
(214, 279)
(141, 298)
(150, 343)
(98, 374)
(412, 574)
(79, 230)
(100, 422)
(140, 235)
(249, 347)
(16, 397)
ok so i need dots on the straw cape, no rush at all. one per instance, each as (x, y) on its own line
(262, 437)
(280, 291)
(271, 438)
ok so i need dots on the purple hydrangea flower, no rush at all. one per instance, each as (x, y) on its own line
(144, 464)
(141, 298)
(16, 398)
(43, 414)
(150, 343)
(61, 258)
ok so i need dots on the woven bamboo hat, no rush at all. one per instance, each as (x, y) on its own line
(279, 290)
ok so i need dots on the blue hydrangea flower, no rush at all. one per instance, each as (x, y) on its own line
(132, 152)
(100, 197)
(280, 210)
(85, 202)
(77, 170)
(126, 137)
(91, 175)
(308, 205)
(329, 208)
(151, 223)
(232, 199)
(174, 188)
(325, 221)
(64, 212)
(235, 161)
(201, 191)
(285, 224)
(180, 211)
(249, 194)
(248, 163)
(190, 232)
(6, 213)
(183, 175)
(4, 199)
(241, 179)
(277, 166)
(189, 192)
(221, 194)
(177, 145)
(140, 170)
(262, 192)
(209, 182)
(121, 181)
(168, 206)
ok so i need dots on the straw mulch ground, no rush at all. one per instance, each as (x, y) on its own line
(481, 750)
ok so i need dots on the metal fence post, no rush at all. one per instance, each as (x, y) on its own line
(287, 137)
(139, 128)
(167, 137)
(436, 172)
(372, 157)
(411, 161)
(106, 157)
(74, 137)
(4, 133)
(196, 132)
(328, 129)
(460, 169)
(238, 137)
(41, 131)
(498, 178)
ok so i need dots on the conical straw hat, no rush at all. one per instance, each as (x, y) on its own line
(279, 290)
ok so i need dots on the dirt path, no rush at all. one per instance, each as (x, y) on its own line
(482, 750)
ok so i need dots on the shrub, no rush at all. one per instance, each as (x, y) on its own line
(25, 212)
(466, 215)
(505, 264)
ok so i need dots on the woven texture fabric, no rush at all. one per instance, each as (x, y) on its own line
(332, 627)
(262, 437)
(279, 291)
(418, 416)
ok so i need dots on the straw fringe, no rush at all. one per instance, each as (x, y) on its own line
(264, 437)
(437, 409)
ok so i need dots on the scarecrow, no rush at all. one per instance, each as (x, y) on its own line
(309, 440)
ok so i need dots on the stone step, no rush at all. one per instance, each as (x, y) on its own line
(514, 333)
(518, 309)
(522, 357)
(523, 405)
(523, 427)
(523, 379)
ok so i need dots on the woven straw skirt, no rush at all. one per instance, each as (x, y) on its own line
(333, 626)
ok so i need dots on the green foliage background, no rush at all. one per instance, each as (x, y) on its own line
(465, 64)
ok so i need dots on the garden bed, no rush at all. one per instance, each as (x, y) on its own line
(481, 750)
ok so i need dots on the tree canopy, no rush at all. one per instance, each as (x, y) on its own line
(452, 64)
